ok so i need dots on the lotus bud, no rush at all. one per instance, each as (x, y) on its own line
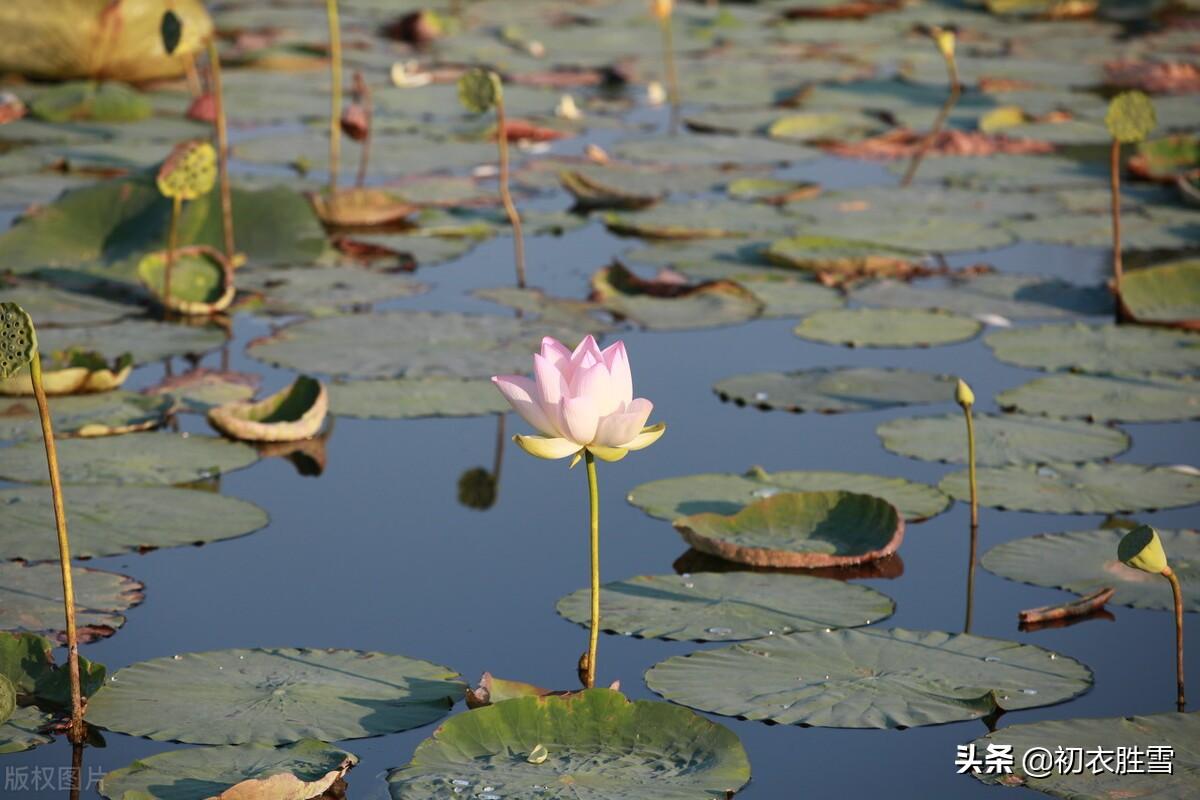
(963, 394)
(1142, 549)
(354, 122)
(945, 40)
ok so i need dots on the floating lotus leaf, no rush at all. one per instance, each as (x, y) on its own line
(89, 100)
(120, 519)
(1177, 732)
(298, 771)
(274, 696)
(31, 599)
(105, 414)
(1168, 294)
(479, 89)
(293, 413)
(842, 260)
(142, 340)
(658, 305)
(773, 191)
(1009, 172)
(1098, 348)
(201, 280)
(55, 307)
(784, 297)
(816, 125)
(1150, 228)
(834, 390)
(699, 220)
(1105, 399)
(403, 398)
(1130, 117)
(189, 171)
(1057, 488)
(707, 259)
(8, 699)
(146, 459)
(361, 207)
(1005, 295)
(726, 493)
(23, 730)
(590, 193)
(869, 678)
(714, 607)
(709, 150)
(597, 744)
(945, 233)
(323, 291)
(1001, 439)
(582, 316)
(799, 530)
(1086, 561)
(886, 327)
(18, 340)
(410, 344)
(1167, 158)
(200, 389)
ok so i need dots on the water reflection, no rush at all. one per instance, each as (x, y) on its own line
(478, 488)
(888, 567)
(308, 456)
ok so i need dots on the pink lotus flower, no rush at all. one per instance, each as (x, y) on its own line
(581, 400)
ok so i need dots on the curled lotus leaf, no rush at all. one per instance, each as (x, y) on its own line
(189, 171)
(293, 413)
(1130, 117)
(1166, 294)
(18, 339)
(479, 89)
(201, 279)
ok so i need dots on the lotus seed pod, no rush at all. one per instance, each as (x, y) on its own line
(1131, 117)
(1142, 549)
(662, 8)
(18, 339)
(963, 394)
(479, 89)
(189, 171)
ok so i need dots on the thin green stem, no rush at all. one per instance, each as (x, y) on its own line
(938, 124)
(1177, 592)
(672, 75)
(335, 113)
(214, 68)
(971, 468)
(510, 208)
(76, 731)
(1115, 183)
(594, 519)
(172, 245)
(971, 579)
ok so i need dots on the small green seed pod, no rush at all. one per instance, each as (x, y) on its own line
(1131, 117)
(479, 89)
(18, 339)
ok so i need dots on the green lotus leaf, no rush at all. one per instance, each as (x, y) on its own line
(1164, 294)
(89, 100)
(324, 291)
(886, 327)
(709, 259)
(1001, 439)
(590, 193)
(1086, 561)
(27, 662)
(52, 307)
(869, 678)
(773, 191)
(657, 305)
(201, 280)
(699, 219)
(200, 389)
(709, 150)
(1003, 172)
(31, 599)
(147, 459)
(1116, 398)
(1130, 117)
(1056, 488)
(943, 233)
(1000, 294)
(294, 413)
(18, 340)
(121, 519)
(8, 699)
(835, 390)
(598, 744)
(1104, 349)
(23, 730)
(404, 398)
(273, 696)
(715, 607)
(727, 493)
(785, 297)
(1148, 228)
(848, 259)
(104, 414)
(143, 340)
(582, 316)
(799, 530)
(1178, 732)
(298, 771)
(479, 89)
(409, 344)
(1167, 158)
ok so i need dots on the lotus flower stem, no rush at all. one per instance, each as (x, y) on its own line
(672, 75)
(594, 519)
(971, 468)
(172, 244)
(76, 731)
(364, 155)
(335, 114)
(214, 69)
(971, 579)
(1177, 592)
(1115, 183)
(76, 770)
(944, 114)
(514, 219)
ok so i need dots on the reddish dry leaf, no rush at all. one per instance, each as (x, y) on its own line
(850, 9)
(203, 109)
(496, 690)
(903, 143)
(516, 130)
(199, 377)
(989, 84)
(354, 122)
(560, 78)
(1155, 77)
(1079, 607)
(11, 108)
(366, 252)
